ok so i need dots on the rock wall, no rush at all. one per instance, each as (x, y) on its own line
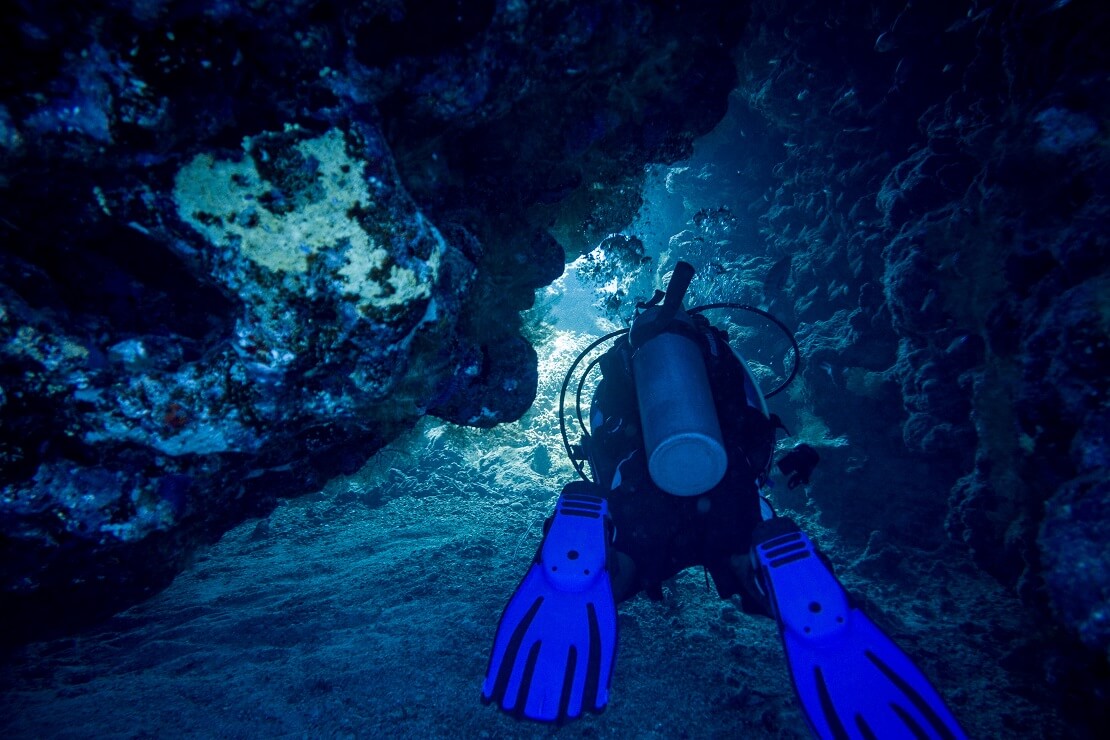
(247, 244)
(939, 194)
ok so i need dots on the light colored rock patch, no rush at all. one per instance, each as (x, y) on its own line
(223, 200)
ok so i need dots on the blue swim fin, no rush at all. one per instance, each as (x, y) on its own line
(851, 679)
(557, 640)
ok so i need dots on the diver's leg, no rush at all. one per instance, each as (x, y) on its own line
(623, 577)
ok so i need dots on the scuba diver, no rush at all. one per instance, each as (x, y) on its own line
(680, 445)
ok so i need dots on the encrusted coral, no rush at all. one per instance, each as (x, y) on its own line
(234, 206)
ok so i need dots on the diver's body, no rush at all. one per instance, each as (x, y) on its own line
(662, 534)
(680, 445)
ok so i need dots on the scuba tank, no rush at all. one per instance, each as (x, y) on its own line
(695, 409)
(682, 436)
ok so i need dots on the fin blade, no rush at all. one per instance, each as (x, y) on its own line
(851, 678)
(556, 643)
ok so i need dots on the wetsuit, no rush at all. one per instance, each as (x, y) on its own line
(661, 533)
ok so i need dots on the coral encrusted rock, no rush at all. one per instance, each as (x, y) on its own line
(333, 304)
(247, 244)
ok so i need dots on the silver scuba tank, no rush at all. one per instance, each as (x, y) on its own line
(682, 436)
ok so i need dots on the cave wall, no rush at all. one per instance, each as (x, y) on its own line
(247, 244)
(938, 183)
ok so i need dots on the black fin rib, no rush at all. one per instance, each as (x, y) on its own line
(568, 684)
(508, 658)
(827, 707)
(907, 718)
(915, 698)
(593, 664)
(526, 680)
(864, 728)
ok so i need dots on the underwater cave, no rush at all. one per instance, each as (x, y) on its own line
(323, 324)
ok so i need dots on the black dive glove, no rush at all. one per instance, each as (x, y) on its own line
(798, 465)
